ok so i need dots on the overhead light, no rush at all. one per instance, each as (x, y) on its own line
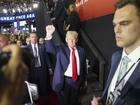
(13, 11)
(26, 9)
(5, 11)
(35, 5)
(19, 9)
(30, 8)
(24, 4)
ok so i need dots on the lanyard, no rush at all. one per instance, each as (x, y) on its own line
(126, 73)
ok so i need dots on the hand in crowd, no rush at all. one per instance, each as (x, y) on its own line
(49, 31)
(67, 27)
(96, 101)
(14, 72)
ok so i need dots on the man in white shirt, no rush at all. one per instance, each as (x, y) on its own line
(39, 67)
(127, 33)
(70, 68)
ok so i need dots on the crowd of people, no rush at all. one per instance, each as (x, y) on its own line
(64, 16)
(38, 62)
(32, 63)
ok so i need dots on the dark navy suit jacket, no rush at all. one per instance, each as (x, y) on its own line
(130, 94)
(62, 54)
(40, 75)
(45, 62)
(43, 55)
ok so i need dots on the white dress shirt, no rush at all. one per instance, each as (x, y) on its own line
(33, 46)
(69, 69)
(36, 45)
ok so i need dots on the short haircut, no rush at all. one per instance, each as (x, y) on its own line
(122, 3)
(73, 33)
(33, 33)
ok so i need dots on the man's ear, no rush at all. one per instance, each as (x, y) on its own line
(66, 39)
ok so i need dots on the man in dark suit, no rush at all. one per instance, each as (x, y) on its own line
(70, 69)
(126, 90)
(39, 66)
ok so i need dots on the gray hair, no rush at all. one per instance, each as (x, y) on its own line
(72, 33)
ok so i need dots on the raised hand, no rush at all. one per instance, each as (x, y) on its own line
(49, 30)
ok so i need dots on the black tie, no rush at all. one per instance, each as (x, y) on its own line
(36, 55)
(35, 51)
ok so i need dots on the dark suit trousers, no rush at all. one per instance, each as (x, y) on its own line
(69, 94)
(40, 78)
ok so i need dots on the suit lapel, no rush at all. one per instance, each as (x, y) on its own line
(31, 50)
(67, 52)
(132, 80)
(39, 49)
(115, 62)
(79, 51)
(80, 60)
(131, 83)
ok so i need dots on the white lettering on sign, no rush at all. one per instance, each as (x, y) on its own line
(20, 17)
(81, 2)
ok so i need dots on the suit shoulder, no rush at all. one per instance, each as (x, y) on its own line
(27, 47)
(117, 53)
(61, 46)
(80, 48)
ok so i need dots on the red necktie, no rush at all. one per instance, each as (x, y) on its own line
(74, 66)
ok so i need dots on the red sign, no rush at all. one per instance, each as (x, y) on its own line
(89, 9)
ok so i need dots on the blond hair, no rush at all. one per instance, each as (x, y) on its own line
(72, 33)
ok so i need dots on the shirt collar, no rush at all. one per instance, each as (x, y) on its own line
(71, 48)
(34, 44)
(134, 55)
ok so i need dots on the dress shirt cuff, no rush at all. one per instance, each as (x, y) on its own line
(48, 37)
